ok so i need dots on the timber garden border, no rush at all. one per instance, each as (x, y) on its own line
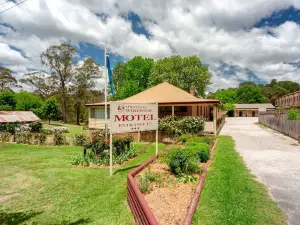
(139, 206)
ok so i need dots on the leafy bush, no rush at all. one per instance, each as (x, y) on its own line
(4, 136)
(183, 161)
(181, 125)
(185, 138)
(58, 138)
(36, 126)
(99, 135)
(60, 130)
(201, 149)
(144, 184)
(42, 138)
(293, 115)
(192, 124)
(80, 140)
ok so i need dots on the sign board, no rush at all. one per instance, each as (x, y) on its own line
(133, 117)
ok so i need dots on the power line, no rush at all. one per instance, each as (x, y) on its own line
(12, 7)
(4, 2)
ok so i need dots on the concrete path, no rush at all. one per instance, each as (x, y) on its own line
(273, 158)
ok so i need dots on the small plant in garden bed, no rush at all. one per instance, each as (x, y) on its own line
(98, 152)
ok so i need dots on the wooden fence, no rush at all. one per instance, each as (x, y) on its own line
(278, 121)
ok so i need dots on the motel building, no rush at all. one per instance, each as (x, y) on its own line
(251, 110)
(171, 100)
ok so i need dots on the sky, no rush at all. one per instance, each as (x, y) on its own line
(257, 40)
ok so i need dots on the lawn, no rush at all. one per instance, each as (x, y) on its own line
(41, 187)
(73, 129)
(231, 195)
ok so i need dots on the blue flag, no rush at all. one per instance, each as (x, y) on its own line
(110, 76)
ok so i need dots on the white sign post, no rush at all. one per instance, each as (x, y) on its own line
(132, 117)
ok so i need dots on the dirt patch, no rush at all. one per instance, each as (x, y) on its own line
(168, 200)
(169, 205)
(6, 198)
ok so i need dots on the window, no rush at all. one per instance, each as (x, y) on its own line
(180, 108)
(165, 109)
(99, 113)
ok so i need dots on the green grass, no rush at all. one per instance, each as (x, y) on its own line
(231, 195)
(73, 129)
(53, 192)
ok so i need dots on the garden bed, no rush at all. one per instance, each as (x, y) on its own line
(168, 194)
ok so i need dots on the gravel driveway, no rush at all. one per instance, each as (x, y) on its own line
(273, 158)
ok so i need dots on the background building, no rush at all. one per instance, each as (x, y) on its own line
(251, 110)
(292, 99)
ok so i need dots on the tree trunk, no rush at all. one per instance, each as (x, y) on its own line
(49, 121)
(77, 114)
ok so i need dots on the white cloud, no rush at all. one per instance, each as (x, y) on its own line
(10, 56)
(213, 30)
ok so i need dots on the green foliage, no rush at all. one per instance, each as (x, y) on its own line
(144, 184)
(27, 101)
(132, 77)
(58, 138)
(293, 115)
(4, 136)
(7, 100)
(249, 94)
(227, 96)
(201, 149)
(187, 179)
(180, 125)
(11, 127)
(183, 161)
(185, 138)
(229, 107)
(80, 140)
(50, 109)
(184, 73)
(36, 126)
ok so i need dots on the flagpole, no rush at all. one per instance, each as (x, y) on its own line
(105, 91)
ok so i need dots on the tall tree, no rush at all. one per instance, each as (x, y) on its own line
(7, 80)
(132, 77)
(7, 100)
(43, 85)
(27, 101)
(227, 96)
(182, 72)
(249, 94)
(84, 81)
(50, 109)
(59, 59)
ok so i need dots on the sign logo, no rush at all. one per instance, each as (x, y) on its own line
(121, 108)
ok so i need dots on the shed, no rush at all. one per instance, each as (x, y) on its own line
(251, 110)
(17, 116)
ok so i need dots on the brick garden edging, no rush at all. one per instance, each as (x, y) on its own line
(139, 206)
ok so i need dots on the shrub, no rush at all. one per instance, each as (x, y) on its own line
(35, 126)
(185, 138)
(60, 129)
(183, 161)
(58, 138)
(192, 124)
(181, 125)
(42, 138)
(169, 125)
(293, 115)
(144, 185)
(4, 136)
(201, 149)
(80, 140)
